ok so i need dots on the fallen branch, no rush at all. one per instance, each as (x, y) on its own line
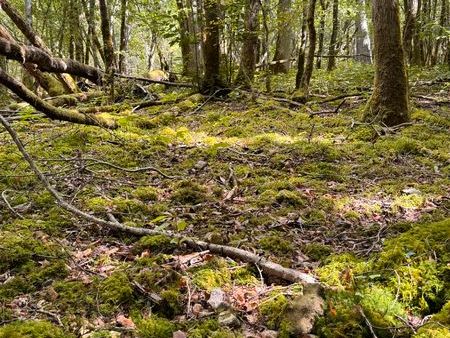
(9, 206)
(324, 112)
(70, 115)
(145, 79)
(46, 63)
(267, 266)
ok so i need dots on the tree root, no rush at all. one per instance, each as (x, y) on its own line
(267, 266)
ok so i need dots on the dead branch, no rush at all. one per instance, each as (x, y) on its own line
(9, 206)
(50, 111)
(147, 80)
(46, 63)
(324, 112)
(267, 266)
(343, 96)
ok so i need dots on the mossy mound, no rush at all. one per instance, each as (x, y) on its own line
(32, 329)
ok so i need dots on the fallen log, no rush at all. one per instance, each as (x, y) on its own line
(267, 266)
(145, 79)
(70, 115)
(46, 63)
(26, 29)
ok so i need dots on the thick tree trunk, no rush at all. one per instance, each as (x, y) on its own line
(389, 102)
(363, 49)
(306, 78)
(250, 45)
(411, 8)
(301, 50)
(68, 83)
(333, 39)
(124, 35)
(46, 63)
(50, 111)
(108, 45)
(212, 80)
(283, 47)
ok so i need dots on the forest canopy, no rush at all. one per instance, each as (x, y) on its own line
(224, 168)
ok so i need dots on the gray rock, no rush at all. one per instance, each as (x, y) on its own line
(200, 165)
(227, 318)
(269, 334)
(218, 299)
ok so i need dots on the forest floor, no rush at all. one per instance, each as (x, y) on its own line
(363, 207)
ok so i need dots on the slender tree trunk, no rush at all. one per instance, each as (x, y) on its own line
(250, 45)
(363, 48)
(265, 46)
(323, 6)
(27, 76)
(411, 8)
(185, 39)
(212, 80)
(301, 50)
(283, 47)
(124, 35)
(333, 39)
(389, 103)
(108, 45)
(306, 78)
(3, 65)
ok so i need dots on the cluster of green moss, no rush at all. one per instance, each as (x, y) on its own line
(32, 329)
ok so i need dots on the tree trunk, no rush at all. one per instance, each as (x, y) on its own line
(333, 39)
(418, 46)
(52, 112)
(301, 51)
(124, 35)
(363, 50)
(389, 102)
(323, 6)
(46, 63)
(306, 78)
(108, 45)
(411, 8)
(27, 76)
(212, 80)
(283, 45)
(250, 44)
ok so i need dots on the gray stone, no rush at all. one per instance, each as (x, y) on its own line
(218, 299)
(227, 318)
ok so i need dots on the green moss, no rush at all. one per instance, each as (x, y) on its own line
(276, 244)
(98, 204)
(317, 251)
(115, 290)
(155, 327)
(381, 307)
(339, 270)
(206, 329)
(156, 243)
(145, 194)
(208, 279)
(172, 303)
(32, 329)
(74, 296)
(412, 201)
(290, 198)
(188, 192)
(434, 332)
(243, 276)
(398, 146)
(273, 309)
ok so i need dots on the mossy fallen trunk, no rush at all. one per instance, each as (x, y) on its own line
(52, 112)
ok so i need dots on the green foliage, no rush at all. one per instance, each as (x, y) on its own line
(276, 244)
(208, 279)
(156, 243)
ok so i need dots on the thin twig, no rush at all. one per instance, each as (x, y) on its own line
(361, 311)
(266, 265)
(9, 206)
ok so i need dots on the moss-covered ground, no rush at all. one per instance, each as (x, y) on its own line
(363, 207)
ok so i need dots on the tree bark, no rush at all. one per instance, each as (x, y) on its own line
(411, 8)
(212, 80)
(108, 45)
(283, 46)
(333, 39)
(50, 111)
(301, 51)
(14, 51)
(306, 78)
(389, 102)
(124, 35)
(363, 49)
(323, 6)
(250, 44)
